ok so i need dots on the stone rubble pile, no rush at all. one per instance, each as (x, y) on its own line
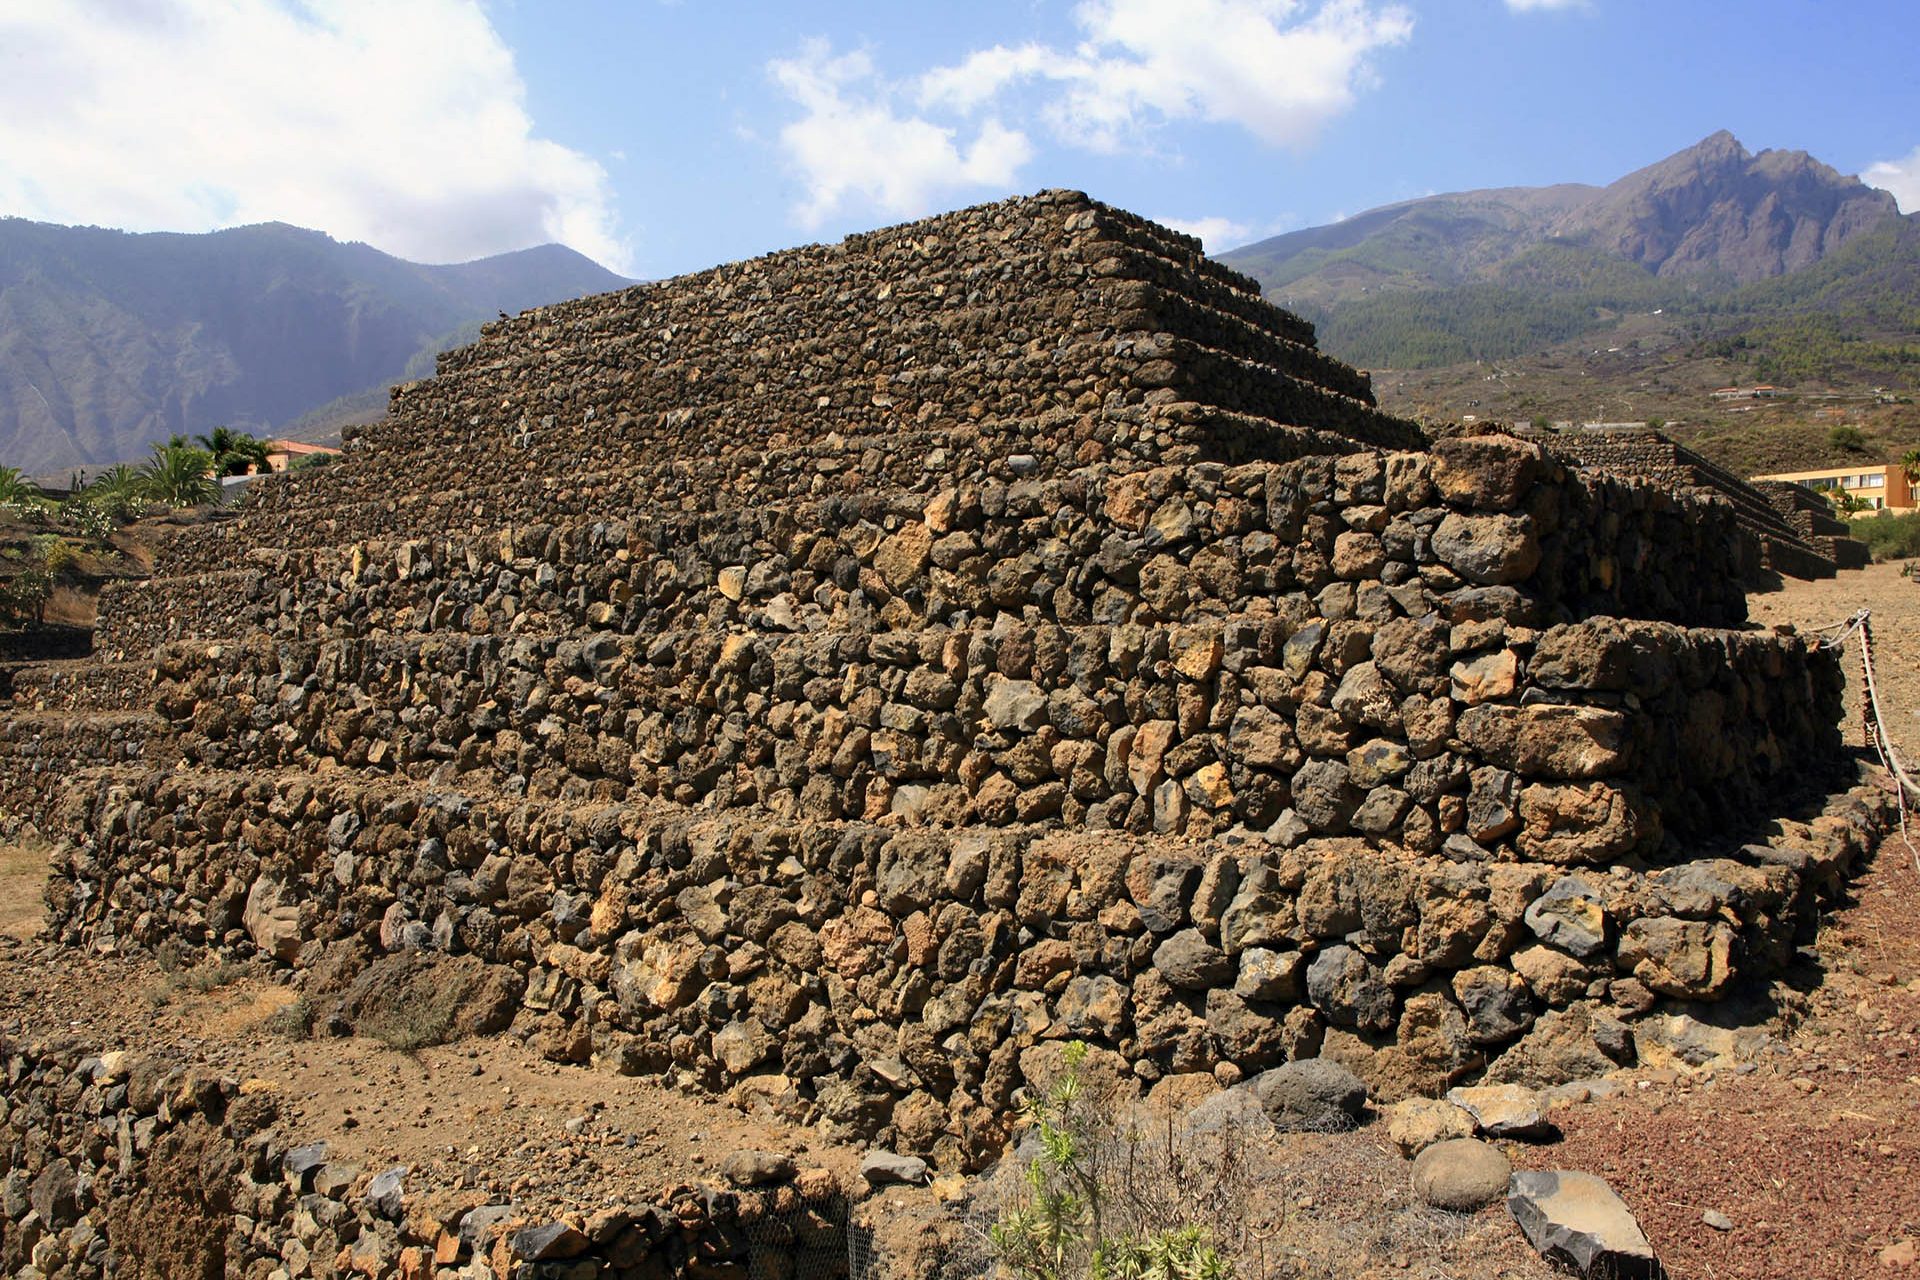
(117, 1164)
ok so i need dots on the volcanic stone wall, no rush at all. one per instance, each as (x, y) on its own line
(901, 985)
(1778, 544)
(1813, 518)
(120, 1164)
(838, 680)
(1156, 651)
(1099, 546)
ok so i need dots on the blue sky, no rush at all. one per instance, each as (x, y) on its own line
(664, 137)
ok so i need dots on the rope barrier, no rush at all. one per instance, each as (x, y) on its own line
(1873, 724)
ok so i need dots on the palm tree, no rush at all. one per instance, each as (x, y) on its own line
(15, 489)
(1910, 463)
(180, 476)
(121, 477)
(234, 452)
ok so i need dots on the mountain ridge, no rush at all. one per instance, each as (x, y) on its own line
(110, 340)
(1712, 208)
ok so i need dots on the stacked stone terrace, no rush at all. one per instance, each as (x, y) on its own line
(1795, 534)
(839, 679)
(1811, 516)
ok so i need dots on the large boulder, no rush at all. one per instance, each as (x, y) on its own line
(1489, 473)
(1414, 1124)
(1546, 740)
(1488, 550)
(271, 918)
(1350, 990)
(1504, 1110)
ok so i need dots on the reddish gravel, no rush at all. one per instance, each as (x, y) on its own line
(1814, 1155)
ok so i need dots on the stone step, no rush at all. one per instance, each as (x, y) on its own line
(1190, 318)
(350, 505)
(80, 685)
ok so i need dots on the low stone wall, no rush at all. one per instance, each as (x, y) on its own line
(1579, 743)
(90, 685)
(116, 1164)
(1782, 544)
(905, 984)
(1391, 535)
(41, 753)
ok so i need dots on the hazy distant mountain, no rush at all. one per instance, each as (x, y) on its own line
(110, 340)
(1713, 209)
(1709, 232)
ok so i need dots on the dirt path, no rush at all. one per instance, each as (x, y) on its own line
(1813, 1154)
(23, 873)
(1895, 602)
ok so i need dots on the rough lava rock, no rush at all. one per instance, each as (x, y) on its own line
(1576, 1220)
(1313, 1093)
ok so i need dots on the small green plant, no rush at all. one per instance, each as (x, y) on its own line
(1847, 504)
(1656, 423)
(294, 1021)
(1079, 1217)
(1849, 438)
(420, 1017)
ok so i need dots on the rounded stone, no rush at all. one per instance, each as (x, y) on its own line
(1461, 1174)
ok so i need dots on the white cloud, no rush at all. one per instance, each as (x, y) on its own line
(1279, 69)
(1215, 233)
(402, 123)
(1901, 177)
(853, 143)
(1535, 6)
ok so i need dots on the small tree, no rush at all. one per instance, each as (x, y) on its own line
(1072, 1224)
(1849, 438)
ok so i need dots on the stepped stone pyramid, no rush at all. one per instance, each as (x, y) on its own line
(840, 679)
(1793, 531)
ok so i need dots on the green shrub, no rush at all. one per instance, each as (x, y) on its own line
(57, 556)
(24, 596)
(1098, 1206)
(1848, 438)
(1891, 536)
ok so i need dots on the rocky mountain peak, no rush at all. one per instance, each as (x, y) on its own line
(1718, 207)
